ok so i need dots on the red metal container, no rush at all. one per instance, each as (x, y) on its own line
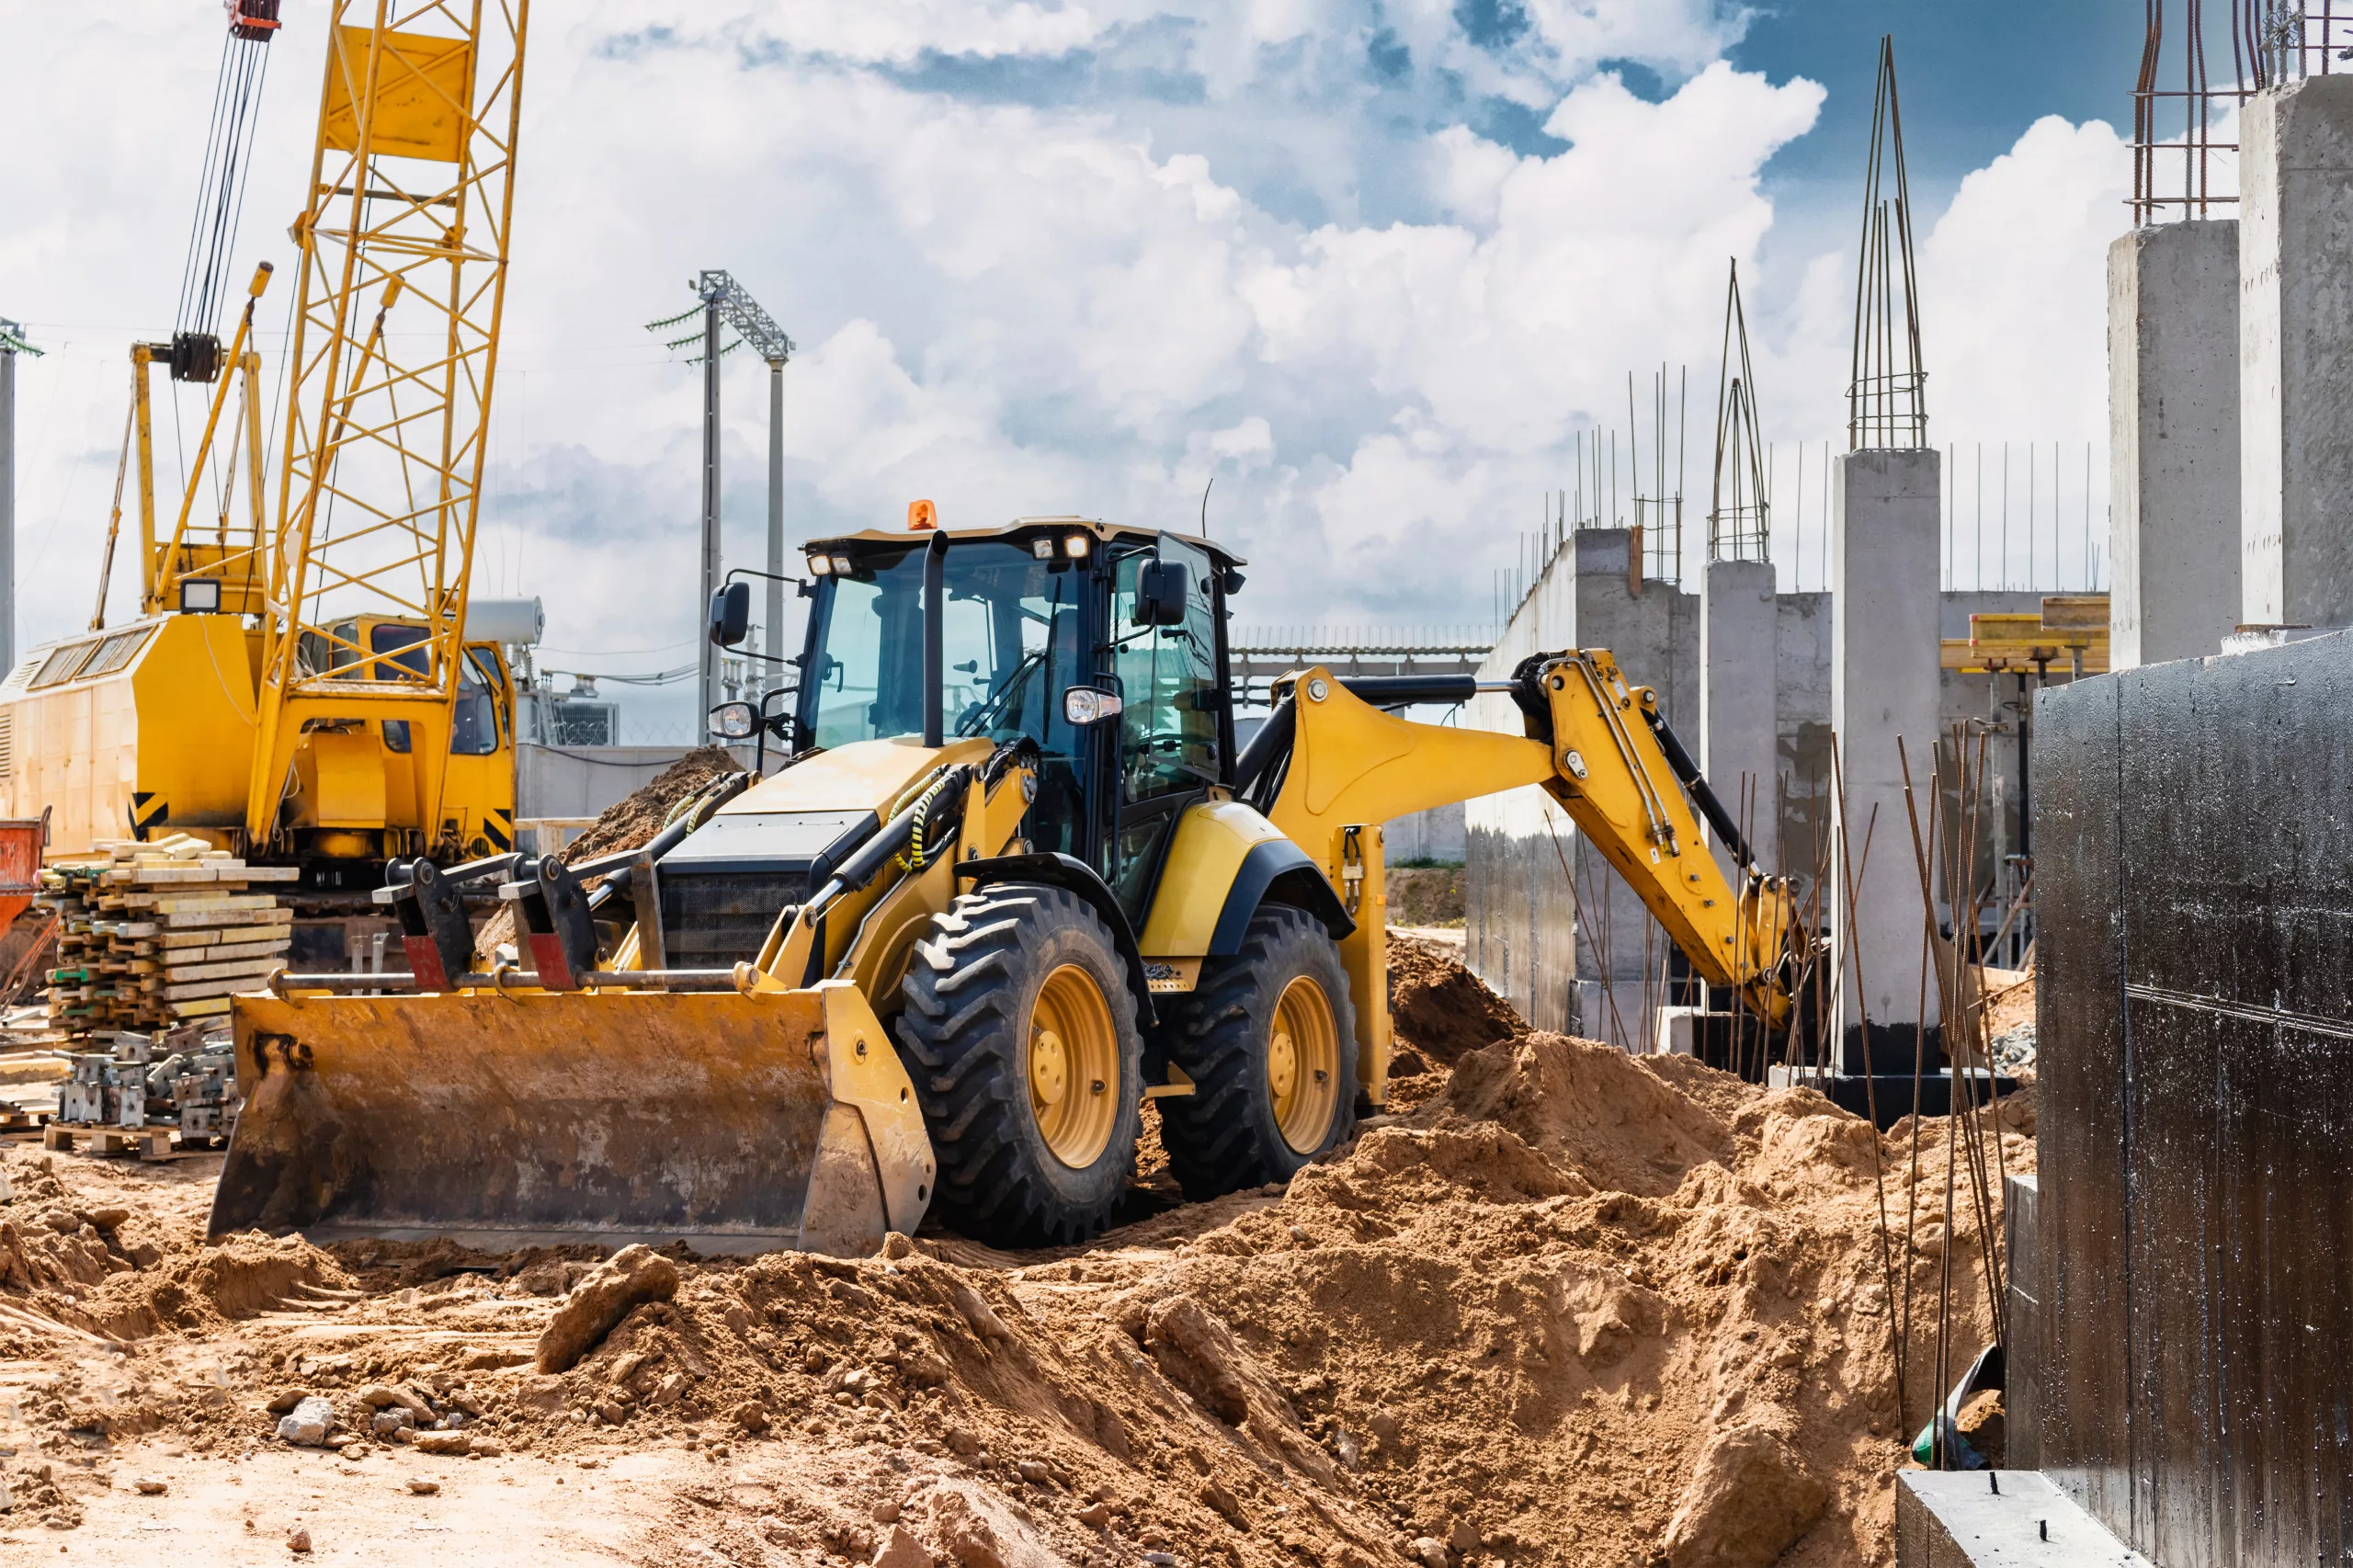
(20, 846)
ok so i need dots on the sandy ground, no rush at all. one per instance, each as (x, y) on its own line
(1562, 1306)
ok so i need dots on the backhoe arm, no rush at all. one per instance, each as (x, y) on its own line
(1597, 746)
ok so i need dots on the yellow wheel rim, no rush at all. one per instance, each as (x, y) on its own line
(1303, 1065)
(1073, 1066)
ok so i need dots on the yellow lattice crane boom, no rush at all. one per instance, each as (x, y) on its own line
(298, 685)
(394, 355)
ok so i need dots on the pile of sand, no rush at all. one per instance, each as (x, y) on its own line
(636, 818)
(632, 820)
(1578, 1307)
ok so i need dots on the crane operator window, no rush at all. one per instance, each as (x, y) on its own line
(1011, 640)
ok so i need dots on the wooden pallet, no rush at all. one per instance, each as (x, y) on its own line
(147, 1142)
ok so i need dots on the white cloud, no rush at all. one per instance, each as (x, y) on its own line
(1110, 252)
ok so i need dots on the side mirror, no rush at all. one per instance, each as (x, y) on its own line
(1161, 588)
(730, 615)
(734, 720)
(1083, 705)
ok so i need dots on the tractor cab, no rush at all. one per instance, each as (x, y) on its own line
(1103, 645)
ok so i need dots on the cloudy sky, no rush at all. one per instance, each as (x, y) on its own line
(1376, 266)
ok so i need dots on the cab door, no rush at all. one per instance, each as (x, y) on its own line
(1174, 741)
(479, 794)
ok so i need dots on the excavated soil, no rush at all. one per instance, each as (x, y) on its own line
(629, 822)
(1427, 895)
(1575, 1308)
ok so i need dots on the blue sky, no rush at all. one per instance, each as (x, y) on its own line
(1378, 265)
(1973, 74)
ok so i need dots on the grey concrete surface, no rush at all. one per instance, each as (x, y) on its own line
(2006, 1518)
(1885, 683)
(2173, 411)
(2296, 354)
(1739, 733)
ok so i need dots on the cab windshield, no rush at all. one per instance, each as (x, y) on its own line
(1012, 638)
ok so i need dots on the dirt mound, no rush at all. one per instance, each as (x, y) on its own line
(1591, 1108)
(1580, 1307)
(1439, 1009)
(636, 818)
(632, 820)
(1427, 895)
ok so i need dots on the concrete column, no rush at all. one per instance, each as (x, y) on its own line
(1885, 682)
(2296, 354)
(1739, 715)
(2173, 416)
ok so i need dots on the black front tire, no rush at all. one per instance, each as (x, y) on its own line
(1226, 1135)
(972, 996)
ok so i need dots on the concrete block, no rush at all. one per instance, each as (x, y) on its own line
(2022, 1282)
(1677, 1028)
(1885, 683)
(2006, 1518)
(1738, 713)
(2173, 410)
(2296, 354)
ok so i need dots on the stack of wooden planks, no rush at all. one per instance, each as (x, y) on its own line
(160, 933)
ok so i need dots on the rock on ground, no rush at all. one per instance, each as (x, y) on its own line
(308, 1423)
(1749, 1499)
(629, 1278)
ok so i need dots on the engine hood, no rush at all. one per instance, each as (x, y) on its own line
(866, 776)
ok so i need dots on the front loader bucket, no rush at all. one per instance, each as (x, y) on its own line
(733, 1122)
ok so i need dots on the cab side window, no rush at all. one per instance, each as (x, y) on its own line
(1171, 725)
(1169, 730)
(473, 721)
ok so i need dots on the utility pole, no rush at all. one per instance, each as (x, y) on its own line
(725, 302)
(775, 649)
(706, 690)
(12, 343)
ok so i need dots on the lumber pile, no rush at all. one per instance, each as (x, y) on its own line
(159, 935)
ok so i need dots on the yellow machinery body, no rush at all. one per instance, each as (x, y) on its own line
(298, 686)
(146, 729)
(765, 1104)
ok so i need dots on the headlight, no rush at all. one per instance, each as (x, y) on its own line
(1043, 549)
(841, 565)
(1083, 705)
(1075, 546)
(820, 566)
(735, 720)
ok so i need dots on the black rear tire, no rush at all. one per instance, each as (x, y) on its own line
(993, 967)
(1228, 1133)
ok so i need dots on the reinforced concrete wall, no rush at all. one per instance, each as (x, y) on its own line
(2173, 411)
(1525, 937)
(2194, 871)
(1886, 682)
(1603, 977)
(2296, 352)
(1739, 731)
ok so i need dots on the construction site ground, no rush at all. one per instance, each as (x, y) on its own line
(1564, 1306)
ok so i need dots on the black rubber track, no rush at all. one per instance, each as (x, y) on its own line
(970, 990)
(1222, 1137)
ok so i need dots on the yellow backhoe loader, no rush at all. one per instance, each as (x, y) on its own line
(1010, 876)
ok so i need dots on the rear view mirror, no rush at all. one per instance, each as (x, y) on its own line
(1161, 588)
(734, 720)
(730, 614)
